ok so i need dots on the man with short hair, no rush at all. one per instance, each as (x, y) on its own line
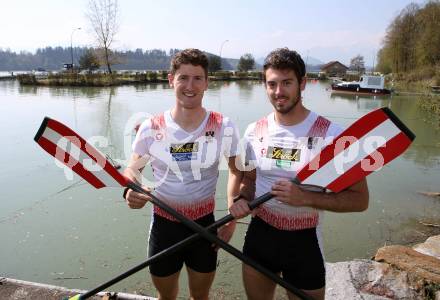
(284, 234)
(184, 146)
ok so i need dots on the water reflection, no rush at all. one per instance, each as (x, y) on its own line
(106, 111)
(246, 88)
(364, 102)
(28, 89)
(151, 86)
(75, 92)
(425, 150)
(216, 85)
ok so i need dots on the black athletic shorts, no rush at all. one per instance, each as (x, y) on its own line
(294, 254)
(199, 255)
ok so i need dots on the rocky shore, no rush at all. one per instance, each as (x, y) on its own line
(395, 272)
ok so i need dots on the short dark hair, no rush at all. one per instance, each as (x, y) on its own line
(285, 59)
(189, 56)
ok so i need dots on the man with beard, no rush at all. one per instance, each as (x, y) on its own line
(284, 234)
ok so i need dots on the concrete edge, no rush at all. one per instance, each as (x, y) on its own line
(121, 296)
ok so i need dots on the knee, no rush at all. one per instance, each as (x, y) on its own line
(170, 294)
(199, 294)
(166, 290)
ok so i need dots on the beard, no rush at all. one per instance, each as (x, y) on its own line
(289, 106)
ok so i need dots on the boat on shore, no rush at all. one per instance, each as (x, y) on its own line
(367, 85)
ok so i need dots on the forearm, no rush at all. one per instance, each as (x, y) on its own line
(346, 201)
(353, 199)
(233, 188)
(135, 167)
(247, 188)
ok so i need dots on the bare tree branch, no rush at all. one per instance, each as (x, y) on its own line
(103, 18)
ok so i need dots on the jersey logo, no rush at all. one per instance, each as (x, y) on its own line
(209, 133)
(283, 156)
(159, 136)
(183, 152)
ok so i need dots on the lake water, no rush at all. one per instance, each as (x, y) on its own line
(64, 232)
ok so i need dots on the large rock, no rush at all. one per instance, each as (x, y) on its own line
(430, 247)
(369, 280)
(421, 267)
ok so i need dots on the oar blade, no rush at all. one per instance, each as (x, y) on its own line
(366, 146)
(77, 154)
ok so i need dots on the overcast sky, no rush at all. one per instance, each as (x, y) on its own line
(326, 30)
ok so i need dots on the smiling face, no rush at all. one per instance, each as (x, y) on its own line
(283, 89)
(189, 83)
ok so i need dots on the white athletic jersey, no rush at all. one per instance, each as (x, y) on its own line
(185, 164)
(279, 152)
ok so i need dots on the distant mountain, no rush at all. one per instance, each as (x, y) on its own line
(313, 61)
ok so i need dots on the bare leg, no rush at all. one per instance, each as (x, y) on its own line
(257, 286)
(167, 287)
(199, 284)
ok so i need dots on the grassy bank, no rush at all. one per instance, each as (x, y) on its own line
(420, 80)
(431, 105)
(77, 79)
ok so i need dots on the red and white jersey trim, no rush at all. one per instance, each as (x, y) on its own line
(289, 222)
(192, 210)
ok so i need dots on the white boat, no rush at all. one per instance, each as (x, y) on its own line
(367, 85)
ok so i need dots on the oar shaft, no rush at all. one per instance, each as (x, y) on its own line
(214, 239)
(176, 247)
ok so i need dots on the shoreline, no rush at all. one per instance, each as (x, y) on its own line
(396, 272)
(104, 80)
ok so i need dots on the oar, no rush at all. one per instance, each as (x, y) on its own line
(167, 252)
(360, 128)
(396, 137)
(73, 151)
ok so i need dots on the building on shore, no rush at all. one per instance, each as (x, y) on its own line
(334, 69)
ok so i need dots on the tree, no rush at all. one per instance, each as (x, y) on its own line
(383, 64)
(103, 17)
(246, 63)
(428, 44)
(214, 63)
(357, 64)
(411, 39)
(89, 61)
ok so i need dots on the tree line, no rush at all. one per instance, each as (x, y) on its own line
(53, 58)
(103, 16)
(412, 41)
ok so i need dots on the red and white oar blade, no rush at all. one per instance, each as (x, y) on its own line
(76, 153)
(366, 146)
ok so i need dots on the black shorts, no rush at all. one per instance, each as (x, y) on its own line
(294, 254)
(199, 255)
